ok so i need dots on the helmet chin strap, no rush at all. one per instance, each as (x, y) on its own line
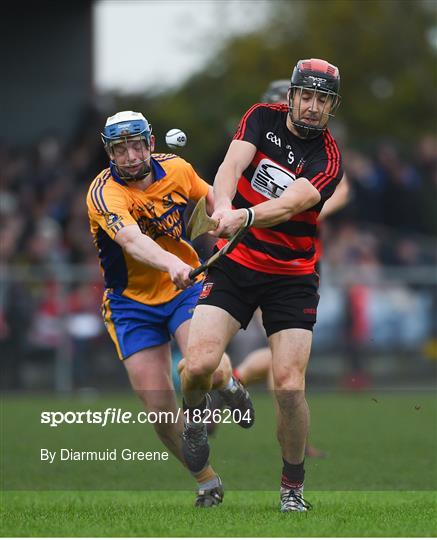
(145, 170)
(123, 171)
(306, 132)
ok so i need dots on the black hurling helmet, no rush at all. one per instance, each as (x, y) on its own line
(276, 92)
(320, 77)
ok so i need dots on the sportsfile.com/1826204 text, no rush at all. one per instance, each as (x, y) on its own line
(112, 415)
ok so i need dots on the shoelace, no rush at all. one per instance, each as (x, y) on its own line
(294, 499)
(194, 435)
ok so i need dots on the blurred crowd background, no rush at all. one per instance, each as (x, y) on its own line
(377, 321)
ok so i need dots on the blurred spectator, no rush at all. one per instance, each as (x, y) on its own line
(426, 163)
(84, 326)
(402, 184)
(367, 204)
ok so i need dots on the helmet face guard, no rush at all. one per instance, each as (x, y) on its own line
(322, 80)
(122, 129)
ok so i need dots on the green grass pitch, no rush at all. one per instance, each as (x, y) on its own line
(161, 513)
(380, 478)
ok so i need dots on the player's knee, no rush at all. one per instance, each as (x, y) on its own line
(202, 360)
(195, 369)
(291, 381)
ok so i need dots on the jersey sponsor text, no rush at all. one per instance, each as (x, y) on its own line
(270, 179)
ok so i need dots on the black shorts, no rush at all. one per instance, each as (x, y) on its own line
(285, 301)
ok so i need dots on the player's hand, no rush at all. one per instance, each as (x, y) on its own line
(229, 222)
(179, 274)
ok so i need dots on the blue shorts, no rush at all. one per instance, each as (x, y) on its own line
(134, 326)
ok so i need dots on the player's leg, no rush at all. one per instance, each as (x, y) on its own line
(222, 373)
(142, 341)
(256, 367)
(289, 308)
(290, 350)
(179, 325)
(290, 355)
(196, 344)
(149, 373)
(210, 488)
(154, 365)
(220, 380)
(210, 332)
(225, 305)
(222, 309)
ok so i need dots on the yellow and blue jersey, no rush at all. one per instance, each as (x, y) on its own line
(158, 212)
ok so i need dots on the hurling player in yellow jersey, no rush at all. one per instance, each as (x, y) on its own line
(135, 209)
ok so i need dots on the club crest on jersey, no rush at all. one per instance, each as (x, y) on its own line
(206, 290)
(112, 219)
(167, 201)
(274, 138)
(270, 179)
(300, 166)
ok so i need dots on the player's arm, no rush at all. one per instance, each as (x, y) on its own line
(338, 200)
(210, 201)
(297, 198)
(144, 250)
(237, 159)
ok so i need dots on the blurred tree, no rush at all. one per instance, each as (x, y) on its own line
(384, 49)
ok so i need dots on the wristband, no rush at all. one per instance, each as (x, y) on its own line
(250, 217)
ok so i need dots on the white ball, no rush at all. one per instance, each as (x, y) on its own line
(175, 138)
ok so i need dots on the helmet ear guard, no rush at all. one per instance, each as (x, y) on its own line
(318, 76)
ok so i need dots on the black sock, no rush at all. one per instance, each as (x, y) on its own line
(292, 475)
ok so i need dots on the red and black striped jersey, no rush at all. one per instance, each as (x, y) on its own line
(281, 157)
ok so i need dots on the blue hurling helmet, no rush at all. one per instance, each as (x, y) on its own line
(122, 127)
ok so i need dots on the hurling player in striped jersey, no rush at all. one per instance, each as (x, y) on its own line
(257, 366)
(281, 167)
